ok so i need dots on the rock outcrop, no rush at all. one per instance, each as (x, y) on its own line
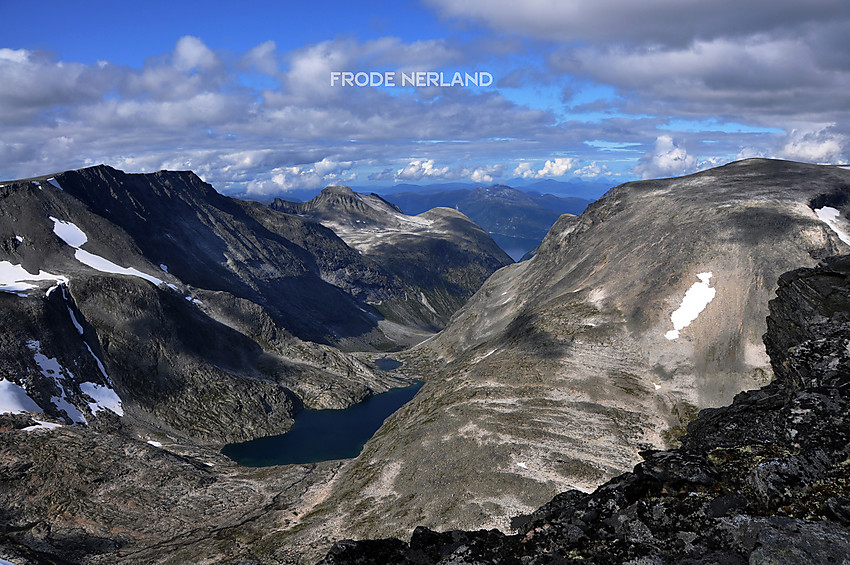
(764, 480)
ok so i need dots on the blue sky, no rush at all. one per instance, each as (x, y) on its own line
(603, 90)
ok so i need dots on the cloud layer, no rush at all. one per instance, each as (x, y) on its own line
(609, 90)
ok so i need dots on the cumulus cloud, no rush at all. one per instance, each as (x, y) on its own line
(313, 176)
(191, 108)
(667, 159)
(191, 53)
(426, 169)
(821, 145)
(592, 170)
(784, 67)
(557, 167)
(654, 22)
(421, 168)
(263, 58)
(31, 83)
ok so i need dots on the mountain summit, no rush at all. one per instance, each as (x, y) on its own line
(440, 255)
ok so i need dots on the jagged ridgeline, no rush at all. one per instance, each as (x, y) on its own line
(202, 315)
(441, 255)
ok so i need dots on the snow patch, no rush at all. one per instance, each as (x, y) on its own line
(155, 443)
(14, 399)
(69, 232)
(696, 299)
(426, 303)
(75, 237)
(99, 364)
(163, 267)
(106, 266)
(104, 398)
(52, 181)
(657, 386)
(39, 426)
(13, 278)
(19, 238)
(71, 313)
(50, 368)
(830, 216)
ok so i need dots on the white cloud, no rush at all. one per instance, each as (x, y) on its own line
(820, 145)
(19, 56)
(263, 58)
(667, 159)
(419, 169)
(557, 167)
(593, 169)
(192, 53)
(313, 176)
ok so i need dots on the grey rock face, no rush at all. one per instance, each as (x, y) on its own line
(76, 494)
(559, 370)
(516, 220)
(437, 259)
(764, 480)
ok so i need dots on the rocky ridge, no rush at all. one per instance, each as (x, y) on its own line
(191, 314)
(517, 220)
(764, 480)
(440, 256)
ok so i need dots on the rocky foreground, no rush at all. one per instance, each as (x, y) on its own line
(764, 480)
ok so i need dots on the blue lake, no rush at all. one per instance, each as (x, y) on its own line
(323, 435)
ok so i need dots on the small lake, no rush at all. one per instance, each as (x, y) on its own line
(323, 435)
(387, 364)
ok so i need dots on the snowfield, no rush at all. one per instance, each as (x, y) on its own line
(16, 279)
(696, 299)
(75, 237)
(830, 216)
(14, 399)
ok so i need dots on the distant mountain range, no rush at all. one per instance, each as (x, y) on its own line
(517, 220)
(565, 189)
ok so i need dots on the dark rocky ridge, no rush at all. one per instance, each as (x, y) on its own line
(765, 480)
(220, 350)
(557, 372)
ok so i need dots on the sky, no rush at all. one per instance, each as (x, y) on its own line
(596, 90)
